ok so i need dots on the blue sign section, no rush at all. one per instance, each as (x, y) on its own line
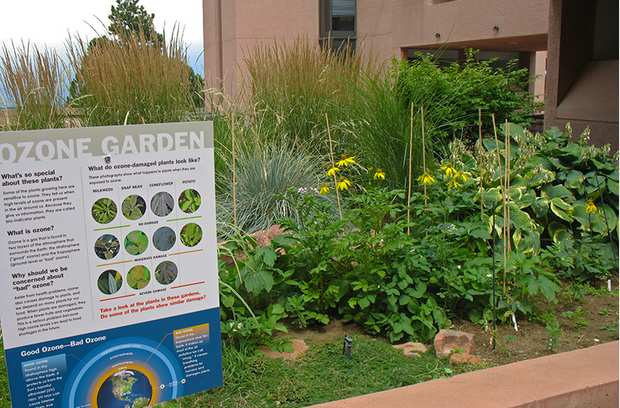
(134, 366)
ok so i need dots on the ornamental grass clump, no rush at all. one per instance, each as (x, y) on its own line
(295, 84)
(33, 81)
(263, 173)
(128, 79)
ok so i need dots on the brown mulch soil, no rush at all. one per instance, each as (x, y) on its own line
(532, 341)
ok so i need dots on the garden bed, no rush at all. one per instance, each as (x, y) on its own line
(597, 323)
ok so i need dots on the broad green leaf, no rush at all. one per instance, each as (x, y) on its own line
(527, 199)
(268, 254)
(527, 241)
(613, 186)
(559, 191)
(603, 166)
(580, 214)
(541, 207)
(540, 159)
(519, 219)
(363, 302)
(403, 300)
(547, 287)
(554, 228)
(256, 281)
(604, 220)
(276, 309)
(491, 197)
(535, 178)
(420, 289)
(480, 233)
(574, 179)
(515, 193)
(561, 209)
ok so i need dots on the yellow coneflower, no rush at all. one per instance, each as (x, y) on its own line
(345, 161)
(324, 189)
(426, 179)
(448, 169)
(454, 183)
(461, 175)
(343, 183)
(332, 171)
(590, 207)
(379, 175)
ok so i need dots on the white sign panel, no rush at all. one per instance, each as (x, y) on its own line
(109, 293)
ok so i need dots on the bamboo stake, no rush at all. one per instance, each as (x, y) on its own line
(424, 154)
(234, 170)
(480, 164)
(506, 220)
(410, 165)
(507, 176)
(331, 152)
(501, 183)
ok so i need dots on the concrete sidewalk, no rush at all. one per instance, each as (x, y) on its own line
(580, 378)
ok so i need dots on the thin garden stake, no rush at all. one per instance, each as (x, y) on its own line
(410, 164)
(493, 305)
(424, 154)
(480, 163)
(499, 169)
(505, 226)
(507, 189)
(234, 169)
(331, 152)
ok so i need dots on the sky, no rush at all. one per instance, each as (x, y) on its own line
(50, 23)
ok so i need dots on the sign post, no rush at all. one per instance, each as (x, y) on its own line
(109, 294)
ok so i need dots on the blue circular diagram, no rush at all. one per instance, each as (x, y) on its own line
(130, 371)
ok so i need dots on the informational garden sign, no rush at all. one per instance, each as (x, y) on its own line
(109, 293)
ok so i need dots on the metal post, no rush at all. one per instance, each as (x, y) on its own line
(346, 346)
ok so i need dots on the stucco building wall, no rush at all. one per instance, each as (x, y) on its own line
(387, 28)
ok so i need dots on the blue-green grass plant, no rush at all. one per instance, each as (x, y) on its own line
(263, 172)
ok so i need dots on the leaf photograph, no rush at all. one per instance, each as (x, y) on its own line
(191, 234)
(164, 238)
(136, 242)
(138, 277)
(162, 204)
(109, 282)
(166, 272)
(107, 246)
(133, 207)
(189, 201)
(104, 211)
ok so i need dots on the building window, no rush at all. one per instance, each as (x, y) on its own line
(338, 23)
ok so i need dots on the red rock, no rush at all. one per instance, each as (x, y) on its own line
(411, 349)
(264, 237)
(447, 341)
(456, 359)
